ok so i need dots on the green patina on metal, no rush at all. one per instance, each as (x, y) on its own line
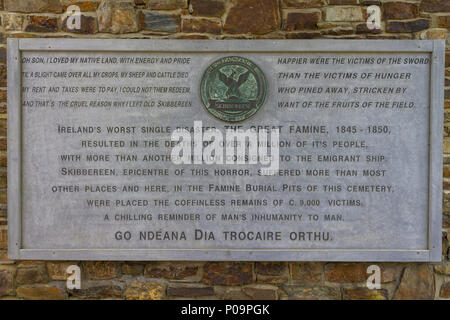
(233, 89)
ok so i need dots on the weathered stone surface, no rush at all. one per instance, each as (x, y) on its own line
(362, 28)
(84, 6)
(97, 291)
(445, 290)
(227, 273)
(261, 292)
(400, 10)
(442, 269)
(117, 17)
(144, 291)
(271, 268)
(312, 293)
(132, 269)
(202, 26)
(345, 272)
(167, 4)
(307, 271)
(302, 4)
(339, 31)
(442, 21)
(29, 6)
(207, 8)
(407, 26)
(435, 5)
(170, 270)
(188, 290)
(101, 270)
(432, 34)
(417, 283)
(389, 272)
(252, 16)
(32, 274)
(364, 294)
(157, 21)
(13, 22)
(40, 293)
(342, 2)
(301, 20)
(3, 237)
(303, 35)
(350, 14)
(7, 280)
(41, 24)
(58, 270)
(88, 25)
(235, 294)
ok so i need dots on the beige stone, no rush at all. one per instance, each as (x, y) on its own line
(344, 14)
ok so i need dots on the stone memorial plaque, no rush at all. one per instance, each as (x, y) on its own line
(225, 150)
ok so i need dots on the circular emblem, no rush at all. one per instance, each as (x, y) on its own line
(233, 89)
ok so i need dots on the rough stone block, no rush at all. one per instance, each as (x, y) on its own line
(261, 292)
(189, 290)
(435, 6)
(32, 274)
(157, 21)
(167, 4)
(341, 14)
(7, 274)
(132, 269)
(442, 21)
(207, 8)
(345, 272)
(117, 17)
(400, 10)
(202, 26)
(228, 273)
(13, 22)
(301, 20)
(29, 6)
(271, 268)
(445, 290)
(253, 17)
(3, 237)
(170, 270)
(307, 271)
(40, 293)
(144, 291)
(101, 270)
(84, 6)
(417, 283)
(315, 292)
(302, 4)
(41, 24)
(407, 26)
(442, 269)
(97, 291)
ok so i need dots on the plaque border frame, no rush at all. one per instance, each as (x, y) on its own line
(436, 49)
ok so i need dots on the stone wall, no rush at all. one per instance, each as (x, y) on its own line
(223, 19)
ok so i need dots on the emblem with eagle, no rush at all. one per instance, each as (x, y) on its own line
(233, 89)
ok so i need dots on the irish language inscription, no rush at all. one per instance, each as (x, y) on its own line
(154, 150)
